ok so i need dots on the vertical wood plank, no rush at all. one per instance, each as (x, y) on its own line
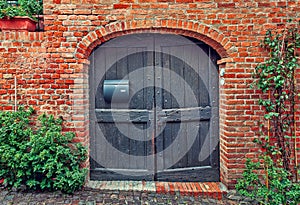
(214, 93)
(166, 104)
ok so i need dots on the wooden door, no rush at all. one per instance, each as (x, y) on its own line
(168, 128)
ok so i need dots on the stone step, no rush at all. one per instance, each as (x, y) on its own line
(215, 190)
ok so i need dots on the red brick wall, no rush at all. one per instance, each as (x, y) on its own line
(22, 57)
(52, 67)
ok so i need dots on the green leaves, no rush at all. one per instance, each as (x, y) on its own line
(280, 189)
(275, 76)
(29, 8)
(32, 7)
(271, 115)
(40, 156)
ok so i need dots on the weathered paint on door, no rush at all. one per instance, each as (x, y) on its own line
(168, 129)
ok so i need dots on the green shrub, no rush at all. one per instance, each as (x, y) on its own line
(280, 189)
(38, 155)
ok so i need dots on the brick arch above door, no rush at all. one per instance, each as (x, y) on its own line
(209, 35)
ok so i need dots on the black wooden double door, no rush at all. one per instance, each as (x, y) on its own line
(167, 128)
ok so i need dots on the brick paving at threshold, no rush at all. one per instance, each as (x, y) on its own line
(115, 193)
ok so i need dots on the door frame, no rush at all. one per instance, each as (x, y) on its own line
(155, 130)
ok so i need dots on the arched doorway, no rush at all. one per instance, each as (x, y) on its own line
(154, 112)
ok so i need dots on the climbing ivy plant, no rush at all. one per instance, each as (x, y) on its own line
(275, 78)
